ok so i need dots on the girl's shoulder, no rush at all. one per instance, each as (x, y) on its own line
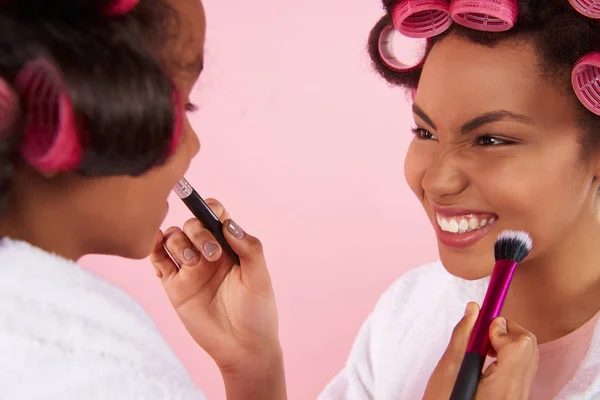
(67, 331)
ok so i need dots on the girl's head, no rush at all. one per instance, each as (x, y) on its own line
(125, 70)
(501, 139)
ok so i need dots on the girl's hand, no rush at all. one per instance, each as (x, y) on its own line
(229, 310)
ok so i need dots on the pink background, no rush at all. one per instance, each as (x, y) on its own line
(305, 146)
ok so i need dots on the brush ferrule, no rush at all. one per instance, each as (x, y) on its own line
(183, 188)
(492, 305)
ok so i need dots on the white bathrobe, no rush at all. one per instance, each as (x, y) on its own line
(66, 334)
(405, 336)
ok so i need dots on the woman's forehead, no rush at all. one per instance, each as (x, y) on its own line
(461, 79)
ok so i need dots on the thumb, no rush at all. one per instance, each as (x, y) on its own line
(252, 259)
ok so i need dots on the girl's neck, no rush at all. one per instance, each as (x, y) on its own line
(46, 231)
(557, 293)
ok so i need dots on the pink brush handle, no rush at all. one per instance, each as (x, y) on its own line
(492, 305)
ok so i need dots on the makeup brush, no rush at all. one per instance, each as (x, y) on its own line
(510, 249)
(202, 211)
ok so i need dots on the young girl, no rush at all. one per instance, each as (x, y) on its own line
(93, 137)
(507, 136)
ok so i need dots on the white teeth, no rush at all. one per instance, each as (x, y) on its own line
(445, 226)
(453, 225)
(473, 223)
(462, 224)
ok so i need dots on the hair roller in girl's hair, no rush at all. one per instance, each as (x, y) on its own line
(114, 8)
(9, 109)
(586, 81)
(421, 18)
(53, 131)
(120, 7)
(51, 140)
(589, 8)
(178, 121)
(485, 15)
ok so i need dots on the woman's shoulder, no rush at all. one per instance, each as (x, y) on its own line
(434, 282)
(428, 289)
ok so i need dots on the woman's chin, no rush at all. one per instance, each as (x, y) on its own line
(466, 265)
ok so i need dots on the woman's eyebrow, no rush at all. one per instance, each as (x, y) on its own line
(478, 121)
(494, 116)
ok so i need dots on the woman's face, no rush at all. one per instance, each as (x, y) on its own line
(496, 147)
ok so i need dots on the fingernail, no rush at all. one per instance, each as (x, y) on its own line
(502, 323)
(188, 254)
(159, 273)
(235, 230)
(468, 309)
(210, 249)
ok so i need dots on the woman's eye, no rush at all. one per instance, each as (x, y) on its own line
(423, 134)
(486, 140)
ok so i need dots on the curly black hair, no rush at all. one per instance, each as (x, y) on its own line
(560, 35)
(115, 75)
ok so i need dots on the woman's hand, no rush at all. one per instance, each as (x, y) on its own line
(509, 377)
(228, 310)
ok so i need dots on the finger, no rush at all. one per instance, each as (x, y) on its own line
(218, 209)
(444, 376)
(516, 349)
(202, 239)
(461, 334)
(161, 261)
(511, 342)
(250, 251)
(180, 247)
(517, 359)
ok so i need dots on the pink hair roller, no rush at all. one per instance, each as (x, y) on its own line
(115, 8)
(9, 109)
(120, 7)
(485, 15)
(386, 51)
(589, 8)
(421, 18)
(50, 140)
(178, 125)
(586, 82)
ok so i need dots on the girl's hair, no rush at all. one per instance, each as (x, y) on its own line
(114, 72)
(560, 35)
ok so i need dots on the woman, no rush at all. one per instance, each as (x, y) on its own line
(502, 141)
